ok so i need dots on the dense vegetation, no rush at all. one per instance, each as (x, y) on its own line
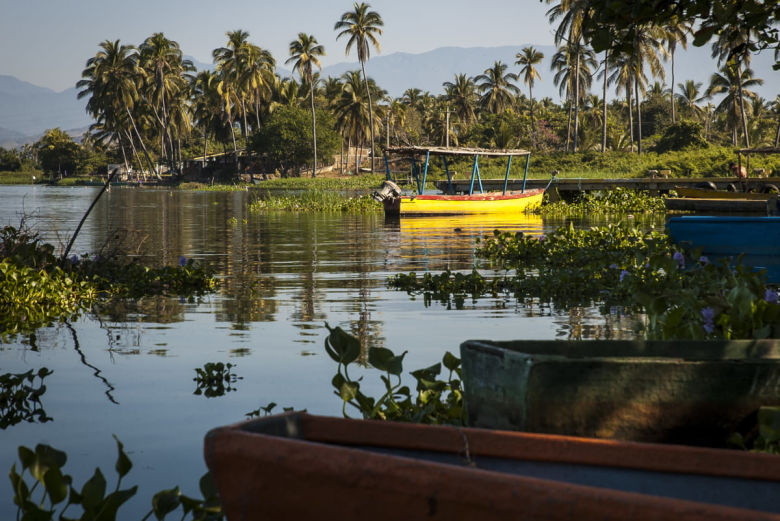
(152, 110)
(38, 288)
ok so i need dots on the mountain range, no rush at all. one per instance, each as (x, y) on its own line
(26, 110)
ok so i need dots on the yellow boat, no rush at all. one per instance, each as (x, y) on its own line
(512, 202)
(504, 202)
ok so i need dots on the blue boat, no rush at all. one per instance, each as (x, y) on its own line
(757, 238)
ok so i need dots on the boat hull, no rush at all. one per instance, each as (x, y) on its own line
(703, 193)
(488, 203)
(297, 466)
(692, 392)
(756, 238)
(720, 206)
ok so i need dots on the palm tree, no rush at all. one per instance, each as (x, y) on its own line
(644, 55)
(689, 97)
(206, 107)
(362, 27)
(257, 78)
(529, 58)
(351, 110)
(621, 77)
(733, 48)
(462, 96)
(304, 53)
(574, 78)
(412, 97)
(111, 80)
(168, 77)
(497, 88)
(676, 33)
(231, 66)
(776, 112)
(572, 14)
(734, 85)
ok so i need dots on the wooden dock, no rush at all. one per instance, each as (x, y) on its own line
(655, 184)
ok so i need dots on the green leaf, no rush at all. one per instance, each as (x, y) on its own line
(56, 485)
(46, 457)
(165, 502)
(123, 463)
(451, 361)
(385, 360)
(341, 346)
(349, 390)
(26, 456)
(208, 487)
(93, 491)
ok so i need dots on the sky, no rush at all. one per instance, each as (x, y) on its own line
(47, 42)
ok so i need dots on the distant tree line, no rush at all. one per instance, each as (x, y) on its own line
(152, 109)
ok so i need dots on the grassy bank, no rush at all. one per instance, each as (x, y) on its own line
(26, 177)
(703, 162)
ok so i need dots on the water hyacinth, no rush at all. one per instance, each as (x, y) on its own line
(704, 260)
(182, 261)
(708, 315)
(623, 275)
(771, 296)
(679, 258)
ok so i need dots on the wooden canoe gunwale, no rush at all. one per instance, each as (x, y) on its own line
(325, 470)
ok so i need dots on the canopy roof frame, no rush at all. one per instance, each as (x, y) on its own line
(414, 151)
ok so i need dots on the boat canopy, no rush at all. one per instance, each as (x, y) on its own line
(413, 152)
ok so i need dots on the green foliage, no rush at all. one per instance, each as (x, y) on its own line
(712, 161)
(765, 436)
(618, 201)
(286, 139)
(215, 379)
(315, 201)
(37, 288)
(57, 152)
(447, 287)
(677, 296)
(434, 401)
(56, 489)
(681, 136)
(10, 160)
(20, 400)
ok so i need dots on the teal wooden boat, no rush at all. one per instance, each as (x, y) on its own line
(690, 392)
(756, 238)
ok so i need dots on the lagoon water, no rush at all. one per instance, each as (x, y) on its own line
(129, 370)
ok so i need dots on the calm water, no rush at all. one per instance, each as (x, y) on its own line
(129, 370)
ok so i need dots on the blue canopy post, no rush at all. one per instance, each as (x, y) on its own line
(525, 175)
(474, 170)
(425, 170)
(506, 176)
(449, 176)
(387, 166)
(416, 174)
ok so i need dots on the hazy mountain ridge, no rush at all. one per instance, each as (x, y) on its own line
(27, 110)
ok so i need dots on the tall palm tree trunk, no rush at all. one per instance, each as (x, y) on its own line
(742, 105)
(568, 127)
(531, 98)
(576, 99)
(604, 110)
(638, 116)
(143, 145)
(671, 91)
(629, 90)
(777, 133)
(370, 113)
(313, 132)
